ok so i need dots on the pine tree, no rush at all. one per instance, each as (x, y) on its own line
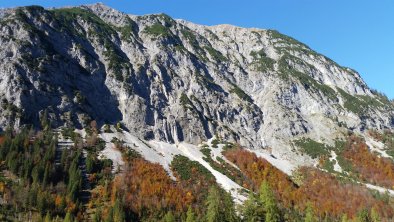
(44, 120)
(251, 210)
(96, 216)
(375, 216)
(69, 217)
(213, 205)
(42, 203)
(344, 218)
(309, 215)
(228, 210)
(363, 216)
(169, 217)
(48, 217)
(119, 215)
(46, 175)
(268, 201)
(110, 216)
(190, 217)
(90, 163)
(63, 159)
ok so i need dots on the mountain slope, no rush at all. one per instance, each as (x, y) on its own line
(171, 80)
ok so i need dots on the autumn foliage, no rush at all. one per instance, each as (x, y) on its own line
(148, 190)
(332, 197)
(2, 138)
(328, 196)
(259, 170)
(370, 167)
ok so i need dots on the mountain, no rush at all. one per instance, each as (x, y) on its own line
(169, 85)
(172, 80)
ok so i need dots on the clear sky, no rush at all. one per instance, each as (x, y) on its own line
(355, 33)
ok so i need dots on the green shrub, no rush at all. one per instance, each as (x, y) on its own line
(157, 30)
(207, 82)
(186, 167)
(345, 164)
(312, 148)
(191, 38)
(215, 54)
(184, 100)
(286, 72)
(261, 61)
(215, 143)
(206, 152)
(329, 165)
(241, 94)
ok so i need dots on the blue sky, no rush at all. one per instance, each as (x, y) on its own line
(357, 34)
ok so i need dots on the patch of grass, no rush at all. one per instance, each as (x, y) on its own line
(339, 145)
(127, 31)
(286, 72)
(215, 143)
(228, 146)
(157, 30)
(223, 167)
(329, 165)
(215, 54)
(117, 62)
(345, 164)
(206, 152)
(168, 21)
(186, 168)
(241, 94)
(207, 82)
(191, 38)
(382, 98)
(390, 153)
(353, 103)
(130, 154)
(312, 148)
(184, 100)
(360, 104)
(261, 61)
(284, 38)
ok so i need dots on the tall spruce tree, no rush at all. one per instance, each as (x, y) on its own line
(169, 217)
(375, 216)
(252, 209)
(363, 216)
(48, 217)
(228, 210)
(69, 217)
(119, 214)
(268, 201)
(213, 205)
(190, 217)
(309, 215)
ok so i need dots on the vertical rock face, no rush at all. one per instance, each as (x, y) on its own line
(172, 80)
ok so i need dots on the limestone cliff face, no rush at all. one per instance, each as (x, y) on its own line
(173, 80)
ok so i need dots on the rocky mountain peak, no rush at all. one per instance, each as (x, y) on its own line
(174, 81)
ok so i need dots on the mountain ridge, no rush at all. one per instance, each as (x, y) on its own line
(174, 81)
